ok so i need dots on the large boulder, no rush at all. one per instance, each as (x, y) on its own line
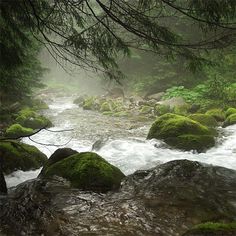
(182, 132)
(58, 155)
(20, 156)
(167, 200)
(87, 171)
(30, 119)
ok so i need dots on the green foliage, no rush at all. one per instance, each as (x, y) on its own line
(87, 171)
(20, 156)
(16, 130)
(214, 226)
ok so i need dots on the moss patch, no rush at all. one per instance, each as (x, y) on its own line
(204, 119)
(218, 114)
(20, 156)
(214, 229)
(231, 120)
(30, 119)
(191, 142)
(16, 130)
(181, 132)
(230, 111)
(87, 171)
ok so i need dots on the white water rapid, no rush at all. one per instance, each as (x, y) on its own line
(125, 146)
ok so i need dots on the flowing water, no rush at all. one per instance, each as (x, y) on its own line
(120, 141)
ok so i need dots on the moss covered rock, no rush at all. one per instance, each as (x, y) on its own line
(87, 171)
(218, 114)
(162, 109)
(20, 156)
(212, 229)
(204, 119)
(88, 103)
(230, 120)
(191, 142)
(230, 111)
(58, 155)
(30, 119)
(16, 130)
(182, 132)
(106, 106)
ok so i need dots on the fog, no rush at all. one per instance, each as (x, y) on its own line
(70, 78)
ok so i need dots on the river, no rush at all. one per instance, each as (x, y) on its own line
(122, 141)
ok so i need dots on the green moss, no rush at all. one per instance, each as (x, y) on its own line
(146, 109)
(230, 111)
(121, 114)
(106, 106)
(216, 226)
(107, 113)
(172, 125)
(191, 142)
(218, 114)
(16, 130)
(87, 171)
(20, 156)
(27, 112)
(204, 119)
(30, 119)
(211, 228)
(88, 103)
(162, 109)
(181, 132)
(231, 120)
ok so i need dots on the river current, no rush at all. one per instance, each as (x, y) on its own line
(121, 141)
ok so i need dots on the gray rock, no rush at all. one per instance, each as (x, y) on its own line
(156, 96)
(166, 200)
(173, 102)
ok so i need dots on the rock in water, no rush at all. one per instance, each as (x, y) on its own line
(167, 200)
(58, 155)
(87, 171)
(182, 132)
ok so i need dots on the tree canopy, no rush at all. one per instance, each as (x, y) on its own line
(92, 34)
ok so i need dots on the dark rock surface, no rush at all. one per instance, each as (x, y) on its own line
(3, 187)
(166, 200)
(58, 155)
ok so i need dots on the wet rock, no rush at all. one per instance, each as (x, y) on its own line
(58, 155)
(99, 144)
(156, 96)
(87, 171)
(3, 186)
(167, 200)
